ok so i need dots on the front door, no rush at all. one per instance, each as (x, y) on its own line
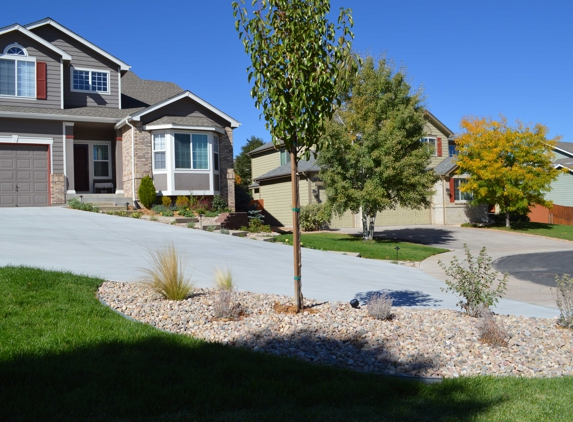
(81, 168)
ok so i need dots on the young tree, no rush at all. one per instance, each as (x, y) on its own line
(243, 160)
(298, 58)
(375, 159)
(508, 166)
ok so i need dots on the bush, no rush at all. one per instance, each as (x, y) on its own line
(167, 275)
(76, 204)
(136, 214)
(475, 283)
(313, 217)
(166, 201)
(380, 306)
(167, 213)
(191, 225)
(491, 332)
(146, 192)
(224, 279)
(563, 294)
(158, 209)
(182, 202)
(225, 306)
(186, 213)
(218, 205)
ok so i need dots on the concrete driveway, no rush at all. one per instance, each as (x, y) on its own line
(505, 249)
(116, 248)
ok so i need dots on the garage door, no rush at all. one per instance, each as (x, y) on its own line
(402, 217)
(23, 175)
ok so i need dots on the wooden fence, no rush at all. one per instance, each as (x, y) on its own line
(556, 215)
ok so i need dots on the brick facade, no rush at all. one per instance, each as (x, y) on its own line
(227, 168)
(142, 143)
(58, 189)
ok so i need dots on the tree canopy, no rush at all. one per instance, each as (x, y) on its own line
(510, 166)
(243, 160)
(298, 58)
(375, 159)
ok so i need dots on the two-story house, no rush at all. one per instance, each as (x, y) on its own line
(272, 186)
(75, 119)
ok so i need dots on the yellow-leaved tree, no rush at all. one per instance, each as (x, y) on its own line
(510, 166)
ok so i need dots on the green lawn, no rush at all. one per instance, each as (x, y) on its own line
(66, 357)
(375, 249)
(550, 230)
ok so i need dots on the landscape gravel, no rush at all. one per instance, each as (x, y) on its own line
(418, 342)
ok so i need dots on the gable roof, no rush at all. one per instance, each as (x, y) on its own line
(284, 170)
(264, 147)
(185, 94)
(49, 21)
(23, 30)
(141, 93)
(434, 120)
(446, 166)
(566, 147)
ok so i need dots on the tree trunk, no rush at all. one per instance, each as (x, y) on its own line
(507, 224)
(367, 226)
(296, 229)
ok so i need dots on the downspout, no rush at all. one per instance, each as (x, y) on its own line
(133, 197)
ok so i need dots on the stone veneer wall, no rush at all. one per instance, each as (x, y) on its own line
(58, 189)
(227, 172)
(142, 143)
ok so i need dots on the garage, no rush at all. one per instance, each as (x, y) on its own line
(23, 175)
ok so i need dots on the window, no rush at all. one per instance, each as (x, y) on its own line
(452, 150)
(431, 143)
(90, 81)
(191, 151)
(17, 72)
(216, 153)
(285, 156)
(101, 161)
(458, 194)
(159, 151)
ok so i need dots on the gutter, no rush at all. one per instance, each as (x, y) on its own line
(65, 117)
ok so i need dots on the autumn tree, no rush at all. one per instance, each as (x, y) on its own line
(375, 160)
(510, 166)
(243, 160)
(298, 58)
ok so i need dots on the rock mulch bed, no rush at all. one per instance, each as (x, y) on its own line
(418, 342)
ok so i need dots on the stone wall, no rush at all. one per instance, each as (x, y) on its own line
(58, 189)
(142, 142)
(227, 171)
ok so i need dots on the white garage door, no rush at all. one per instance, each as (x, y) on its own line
(402, 217)
(23, 175)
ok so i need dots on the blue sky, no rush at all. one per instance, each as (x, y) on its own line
(473, 58)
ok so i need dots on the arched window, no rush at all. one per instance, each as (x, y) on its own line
(16, 50)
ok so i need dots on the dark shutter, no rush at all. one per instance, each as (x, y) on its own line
(41, 81)
(439, 146)
(452, 193)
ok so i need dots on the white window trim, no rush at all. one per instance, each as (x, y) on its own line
(461, 201)
(426, 140)
(17, 46)
(92, 159)
(21, 59)
(209, 151)
(108, 92)
(153, 151)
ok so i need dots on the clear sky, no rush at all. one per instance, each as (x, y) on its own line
(473, 58)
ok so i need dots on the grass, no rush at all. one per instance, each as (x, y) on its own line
(375, 249)
(166, 274)
(556, 231)
(223, 279)
(66, 357)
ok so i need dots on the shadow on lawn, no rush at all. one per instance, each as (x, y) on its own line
(165, 378)
(423, 236)
(400, 297)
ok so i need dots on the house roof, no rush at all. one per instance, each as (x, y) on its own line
(23, 30)
(284, 170)
(566, 147)
(446, 166)
(87, 114)
(264, 147)
(142, 93)
(443, 128)
(49, 21)
(184, 122)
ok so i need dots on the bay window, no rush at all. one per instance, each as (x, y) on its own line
(191, 151)
(159, 151)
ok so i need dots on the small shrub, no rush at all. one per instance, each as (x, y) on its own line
(475, 283)
(211, 214)
(225, 306)
(224, 231)
(200, 210)
(380, 306)
(136, 214)
(256, 222)
(166, 201)
(146, 192)
(173, 223)
(218, 205)
(110, 212)
(563, 294)
(166, 274)
(153, 218)
(186, 213)
(314, 217)
(182, 202)
(224, 279)
(210, 228)
(167, 213)
(191, 225)
(121, 213)
(74, 203)
(490, 331)
(158, 209)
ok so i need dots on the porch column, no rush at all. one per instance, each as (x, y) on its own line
(69, 157)
(119, 164)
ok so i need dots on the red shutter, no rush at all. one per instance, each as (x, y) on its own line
(41, 81)
(439, 147)
(452, 197)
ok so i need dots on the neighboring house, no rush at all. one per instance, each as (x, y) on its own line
(271, 185)
(74, 119)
